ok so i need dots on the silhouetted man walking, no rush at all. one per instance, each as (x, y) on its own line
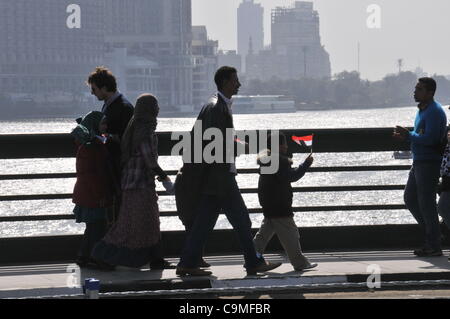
(219, 190)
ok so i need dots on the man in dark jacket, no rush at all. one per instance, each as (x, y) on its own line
(118, 112)
(275, 196)
(117, 109)
(219, 190)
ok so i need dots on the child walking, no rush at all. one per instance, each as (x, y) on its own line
(275, 197)
(93, 191)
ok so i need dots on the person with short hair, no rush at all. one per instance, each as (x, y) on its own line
(118, 111)
(430, 129)
(275, 197)
(218, 190)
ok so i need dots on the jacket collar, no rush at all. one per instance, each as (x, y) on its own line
(109, 101)
(227, 100)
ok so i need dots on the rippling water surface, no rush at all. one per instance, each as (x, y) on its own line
(300, 120)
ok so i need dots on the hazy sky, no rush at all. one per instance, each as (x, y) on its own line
(418, 31)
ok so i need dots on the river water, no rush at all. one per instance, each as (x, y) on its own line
(368, 118)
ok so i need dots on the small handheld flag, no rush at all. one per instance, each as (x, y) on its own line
(306, 141)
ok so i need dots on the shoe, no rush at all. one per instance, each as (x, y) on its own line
(308, 266)
(265, 266)
(425, 252)
(162, 264)
(204, 264)
(181, 271)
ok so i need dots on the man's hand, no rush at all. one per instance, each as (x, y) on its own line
(400, 133)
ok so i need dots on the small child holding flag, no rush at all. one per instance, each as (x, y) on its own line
(275, 196)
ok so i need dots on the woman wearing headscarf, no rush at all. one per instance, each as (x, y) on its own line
(92, 194)
(134, 240)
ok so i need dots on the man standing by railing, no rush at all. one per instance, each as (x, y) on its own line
(427, 140)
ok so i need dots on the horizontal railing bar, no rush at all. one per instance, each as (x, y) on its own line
(309, 189)
(349, 208)
(240, 171)
(326, 169)
(316, 189)
(7, 198)
(37, 176)
(29, 218)
(250, 210)
(19, 146)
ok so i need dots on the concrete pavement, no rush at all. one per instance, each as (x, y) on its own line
(18, 281)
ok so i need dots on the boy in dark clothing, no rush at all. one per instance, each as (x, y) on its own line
(275, 196)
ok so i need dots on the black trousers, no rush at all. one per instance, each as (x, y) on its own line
(93, 233)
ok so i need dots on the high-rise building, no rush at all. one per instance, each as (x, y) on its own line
(160, 31)
(296, 35)
(230, 58)
(204, 52)
(135, 75)
(40, 56)
(250, 26)
(296, 49)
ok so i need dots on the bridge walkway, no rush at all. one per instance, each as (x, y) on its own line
(335, 267)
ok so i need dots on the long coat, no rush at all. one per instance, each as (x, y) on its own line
(94, 187)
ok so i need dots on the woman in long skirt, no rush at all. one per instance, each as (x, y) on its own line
(134, 240)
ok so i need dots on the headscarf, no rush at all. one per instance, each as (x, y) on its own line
(141, 128)
(87, 129)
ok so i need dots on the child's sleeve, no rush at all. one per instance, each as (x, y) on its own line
(292, 174)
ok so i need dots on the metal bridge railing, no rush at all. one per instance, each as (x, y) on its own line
(326, 141)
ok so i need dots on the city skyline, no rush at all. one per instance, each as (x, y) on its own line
(250, 31)
(405, 32)
(296, 50)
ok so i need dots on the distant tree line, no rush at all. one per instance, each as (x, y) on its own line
(347, 90)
